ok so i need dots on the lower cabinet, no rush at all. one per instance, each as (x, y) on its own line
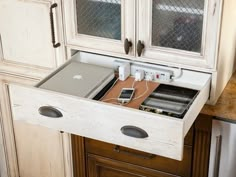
(92, 158)
(104, 167)
(39, 151)
(31, 150)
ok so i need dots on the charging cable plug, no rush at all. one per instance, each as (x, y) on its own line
(124, 71)
(139, 75)
(180, 73)
(149, 77)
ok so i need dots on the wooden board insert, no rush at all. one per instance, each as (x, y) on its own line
(140, 88)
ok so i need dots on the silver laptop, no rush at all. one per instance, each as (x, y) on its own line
(80, 79)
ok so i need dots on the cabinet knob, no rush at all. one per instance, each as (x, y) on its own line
(140, 47)
(50, 111)
(127, 46)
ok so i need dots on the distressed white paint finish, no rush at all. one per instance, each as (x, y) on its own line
(39, 151)
(103, 121)
(98, 43)
(30, 150)
(26, 33)
(3, 162)
(210, 37)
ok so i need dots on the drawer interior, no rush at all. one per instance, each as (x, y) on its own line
(101, 120)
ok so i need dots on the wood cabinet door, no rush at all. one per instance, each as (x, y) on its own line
(105, 167)
(100, 25)
(180, 32)
(31, 150)
(26, 33)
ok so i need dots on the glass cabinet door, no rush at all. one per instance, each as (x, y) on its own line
(178, 24)
(177, 30)
(100, 24)
(99, 18)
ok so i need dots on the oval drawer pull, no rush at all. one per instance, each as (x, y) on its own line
(133, 131)
(50, 111)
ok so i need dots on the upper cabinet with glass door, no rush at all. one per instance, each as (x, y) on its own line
(178, 31)
(173, 32)
(100, 25)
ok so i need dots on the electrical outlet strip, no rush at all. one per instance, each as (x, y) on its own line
(153, 74)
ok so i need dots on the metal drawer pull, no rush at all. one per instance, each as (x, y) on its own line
(148, 156)
(50, 111)
(217, 156)
(127, 46)
(133, 131)
(140, 47)
(55, 45)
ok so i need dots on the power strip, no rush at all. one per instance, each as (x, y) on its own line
(153, 74)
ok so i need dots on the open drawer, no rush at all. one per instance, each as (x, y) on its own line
(154, 133)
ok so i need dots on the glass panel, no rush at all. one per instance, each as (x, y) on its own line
(178, 24)
(101, 18)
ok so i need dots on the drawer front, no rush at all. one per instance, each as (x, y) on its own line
(144, 131)
(105, 167)
(182, 168)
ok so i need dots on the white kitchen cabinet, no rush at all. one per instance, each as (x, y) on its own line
(30, 150)
(26, 33)
(102, 25)
(179, 31)
(191, 34)
(39, 151)
(176, 32)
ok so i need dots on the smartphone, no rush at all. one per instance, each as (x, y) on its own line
(126, 95)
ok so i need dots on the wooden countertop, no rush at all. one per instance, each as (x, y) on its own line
(225, 108)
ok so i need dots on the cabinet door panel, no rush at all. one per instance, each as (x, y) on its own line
(102, 25)
(31, 151)
(26, 33)
(179, 31)
(104, 167)
(39, 151)
(181, 168)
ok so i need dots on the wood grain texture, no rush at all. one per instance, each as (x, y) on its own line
(140, 88)
(85, 117)
(78, 155)
(201, 149)
(28, 148)
(104, 167)
(225, 107)
(131, 156)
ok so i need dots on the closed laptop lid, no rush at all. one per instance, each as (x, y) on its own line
(79, 79)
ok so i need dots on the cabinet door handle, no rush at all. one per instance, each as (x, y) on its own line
(1, 48)
(217, 156)
(148, 156)
(140, 47)
(214, 9)
(133, 131)
(50, 111)
(55, 45)
(128, 44)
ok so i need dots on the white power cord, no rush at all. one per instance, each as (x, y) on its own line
(135, 98)
(110, 88)
(140, 96)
